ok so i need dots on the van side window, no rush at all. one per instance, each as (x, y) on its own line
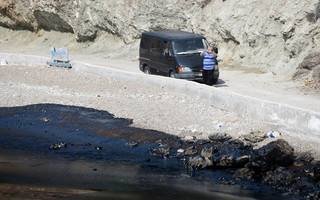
(155, 46)
(145, 43)
(167, 51)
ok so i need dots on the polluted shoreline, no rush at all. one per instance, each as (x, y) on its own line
(57, 139)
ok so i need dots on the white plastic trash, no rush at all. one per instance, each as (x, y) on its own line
(273, 134)
(219, 125)
(3, 62)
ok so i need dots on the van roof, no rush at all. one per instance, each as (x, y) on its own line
(173, 35)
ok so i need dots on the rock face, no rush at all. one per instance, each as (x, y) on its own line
(272, 35)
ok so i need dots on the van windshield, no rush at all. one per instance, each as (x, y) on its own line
(189, 46)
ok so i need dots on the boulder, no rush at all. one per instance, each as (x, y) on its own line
(310, 67)
(269, 157)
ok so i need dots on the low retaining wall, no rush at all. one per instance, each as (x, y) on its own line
(266, 111)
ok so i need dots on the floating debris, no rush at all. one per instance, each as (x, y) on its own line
(45, 119)
(98, 148)
(180, 151)
(131, 144)
(58, 146)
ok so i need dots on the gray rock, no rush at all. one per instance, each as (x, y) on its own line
(310, 61)
(275, 154)
(207, 152)
(198, 163)
(254, 137)
(160, 152)
(219, 137)
(279, 178)
(244, 174)
(242, 160)
(190, 151)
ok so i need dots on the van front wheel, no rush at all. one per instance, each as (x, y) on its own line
(215, 80)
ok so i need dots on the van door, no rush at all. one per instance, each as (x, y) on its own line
(144, 50)
(167, 58)
(155, 56)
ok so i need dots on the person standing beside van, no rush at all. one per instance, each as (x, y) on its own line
(209, 63)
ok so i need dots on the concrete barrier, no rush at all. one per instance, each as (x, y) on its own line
(262, 110)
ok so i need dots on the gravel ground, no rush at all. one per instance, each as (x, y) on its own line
(148, 106)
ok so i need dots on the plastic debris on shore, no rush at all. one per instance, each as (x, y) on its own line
(3, 62)
(273, 134)
(219, 125)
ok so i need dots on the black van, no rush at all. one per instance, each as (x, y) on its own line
(173, 53)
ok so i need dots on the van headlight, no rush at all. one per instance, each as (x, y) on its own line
(184, 69)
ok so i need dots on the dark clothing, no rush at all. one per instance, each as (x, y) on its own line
(208, 76)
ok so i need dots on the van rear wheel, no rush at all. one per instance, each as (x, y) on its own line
(172, 74)
(146, 70)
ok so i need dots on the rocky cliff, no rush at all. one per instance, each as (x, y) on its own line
(272, 35)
